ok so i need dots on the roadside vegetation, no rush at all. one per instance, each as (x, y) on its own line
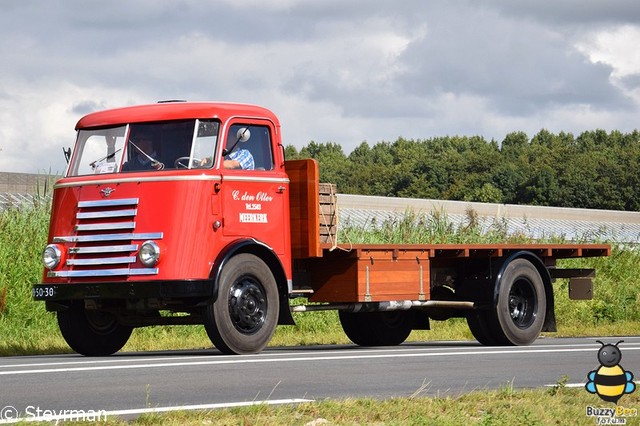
(595, 169)
(505, 406)
(26, 327)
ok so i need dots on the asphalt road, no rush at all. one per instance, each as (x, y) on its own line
(132, 383)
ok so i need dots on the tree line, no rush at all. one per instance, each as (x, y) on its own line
(595, 170)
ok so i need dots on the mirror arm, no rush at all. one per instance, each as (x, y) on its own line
(226, 151)
(67, 154)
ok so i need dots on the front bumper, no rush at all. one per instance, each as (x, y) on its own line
(124, 290)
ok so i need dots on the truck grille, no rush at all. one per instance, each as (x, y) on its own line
(105, 243)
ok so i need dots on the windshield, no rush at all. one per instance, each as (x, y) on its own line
(148, 146)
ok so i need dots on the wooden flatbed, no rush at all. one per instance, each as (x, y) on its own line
(383, 291)
(372, 272)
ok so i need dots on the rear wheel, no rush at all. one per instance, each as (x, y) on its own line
(518, 305)
(522, 304)
(377, 328)
(243, 318)
(480, 325)
(92, 333)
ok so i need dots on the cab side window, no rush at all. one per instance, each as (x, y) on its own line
(248, 148)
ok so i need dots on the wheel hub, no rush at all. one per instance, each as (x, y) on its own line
(522, 304)
(101, 322)
(247, 305)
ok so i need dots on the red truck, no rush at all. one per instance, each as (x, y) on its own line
(188, 213)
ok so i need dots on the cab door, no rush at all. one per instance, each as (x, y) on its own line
(254, 192)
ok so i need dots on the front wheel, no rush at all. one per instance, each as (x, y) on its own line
(244, 316)
(92, 333)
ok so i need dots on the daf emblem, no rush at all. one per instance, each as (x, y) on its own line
(107, 191)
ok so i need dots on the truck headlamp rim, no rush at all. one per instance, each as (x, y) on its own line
(149, 253)
(51, 256)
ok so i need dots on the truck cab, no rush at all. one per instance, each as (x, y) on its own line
(155, 202)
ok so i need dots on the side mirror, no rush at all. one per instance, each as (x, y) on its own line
(243, 134)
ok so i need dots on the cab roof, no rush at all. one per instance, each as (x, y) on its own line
(174, 110)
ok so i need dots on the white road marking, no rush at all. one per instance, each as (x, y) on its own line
(122, 357)
(388, 353)
(134, 357)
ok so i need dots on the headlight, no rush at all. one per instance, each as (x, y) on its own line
(149, 253)
(51, 256)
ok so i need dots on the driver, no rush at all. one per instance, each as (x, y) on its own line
(239, 159)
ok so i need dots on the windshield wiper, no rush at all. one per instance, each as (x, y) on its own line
(154, 162)
(100, 160)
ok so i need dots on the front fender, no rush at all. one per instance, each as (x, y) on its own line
(264, 252)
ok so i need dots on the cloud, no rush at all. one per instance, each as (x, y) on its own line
(333, 71)
(518, 65)
(615, 46)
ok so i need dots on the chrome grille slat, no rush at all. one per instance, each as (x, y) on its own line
(102, 272)
(106, 214)
(101, 261)
(101, 245)
(103, 249)
(108, 203)
(106, 226)
(107, 237)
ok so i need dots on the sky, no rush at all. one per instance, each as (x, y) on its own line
(345, 72)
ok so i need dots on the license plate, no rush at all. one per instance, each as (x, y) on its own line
(43, 292)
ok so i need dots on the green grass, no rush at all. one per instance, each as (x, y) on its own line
(505, 406)
(26, 327)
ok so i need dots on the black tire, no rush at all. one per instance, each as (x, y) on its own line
(521, 304)
(92, 333)
(244, 316)
(480, 325)
(377, 328)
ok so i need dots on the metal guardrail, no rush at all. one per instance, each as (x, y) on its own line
(9, 200)
(535, 221)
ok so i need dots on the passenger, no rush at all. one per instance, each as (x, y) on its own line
(143, 155)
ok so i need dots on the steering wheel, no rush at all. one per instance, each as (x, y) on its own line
(185, 162)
